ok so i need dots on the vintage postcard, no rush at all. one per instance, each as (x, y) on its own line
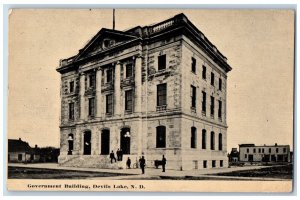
(160, 100)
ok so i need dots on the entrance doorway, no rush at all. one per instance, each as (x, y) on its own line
(87, 143)
(105, 140)
(125, 140)
(250, 157)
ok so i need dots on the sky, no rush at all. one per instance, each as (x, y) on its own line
(259, 45)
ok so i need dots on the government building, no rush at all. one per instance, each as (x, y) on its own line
(154, 90)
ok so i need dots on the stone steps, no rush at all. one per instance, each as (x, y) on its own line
(92, 161)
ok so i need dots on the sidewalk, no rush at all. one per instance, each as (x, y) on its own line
(152, 173)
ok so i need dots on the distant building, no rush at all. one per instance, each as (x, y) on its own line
(265, 153)
(49, 154)
(154, 90)
(20, 151)
(234, 155)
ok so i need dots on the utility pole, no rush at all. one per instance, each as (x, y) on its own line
(113, 19)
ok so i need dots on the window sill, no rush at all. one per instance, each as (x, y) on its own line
(193, 110)
(161, 108)
(108, 114)
(128, 112)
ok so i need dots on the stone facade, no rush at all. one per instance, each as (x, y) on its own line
(110, 98)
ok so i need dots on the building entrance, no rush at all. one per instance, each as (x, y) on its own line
(125, 140)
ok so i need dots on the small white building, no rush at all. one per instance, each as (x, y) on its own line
(264, 153)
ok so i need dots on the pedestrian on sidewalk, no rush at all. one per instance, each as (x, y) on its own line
(163, 162)
(128, 163)
(112, 157)
(142, 164)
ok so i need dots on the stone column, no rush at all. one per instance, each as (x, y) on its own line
(138, 84)
(99, 103)
(138, 101)
(82, 99)
(117, 89)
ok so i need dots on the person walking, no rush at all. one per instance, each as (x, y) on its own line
(163, 162)
(142, 164)
(128, 163)
(112, 157)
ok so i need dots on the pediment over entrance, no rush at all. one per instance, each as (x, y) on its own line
(103, 40)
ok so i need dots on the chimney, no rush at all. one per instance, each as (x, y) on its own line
(114, 23)
(275, 144)
(35, 146)
(20, 139)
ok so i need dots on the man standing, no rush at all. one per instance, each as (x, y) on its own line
(121, 154)
(118, 155)
(112, 157)
(128, 163)
(163, 162)
(142, 164)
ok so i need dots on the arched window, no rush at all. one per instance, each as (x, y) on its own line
(220, 142)
(160, 137)
(203, 139)
(212, 140)
(70, 143)
(193, 137)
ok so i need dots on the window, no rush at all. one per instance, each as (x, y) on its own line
(161, 62)
(259, 150)
(247, 150)
(220, 84)
(109, 104)
(220, 109)
(212, 140)
(128, 71)
(220, 142)
(263, 150)
(203, 139)
(70, 143)
(284, 150)
(203, 72)
(162, 94)
(71, 86)
(221, 163)
(245, 155)
(204, 163)
(195, 164)
(212, 106)
(193, 137)
(203, 102)
(71, 111)
(92, 80)
(20, 157)
(160, 137)
(254, 150)
(193, 65)
(269, 150)
(213, 164)
(277, 150)
(193, 96)
(212, 79)
(92, 107)
(128, 101)
(109, 75)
